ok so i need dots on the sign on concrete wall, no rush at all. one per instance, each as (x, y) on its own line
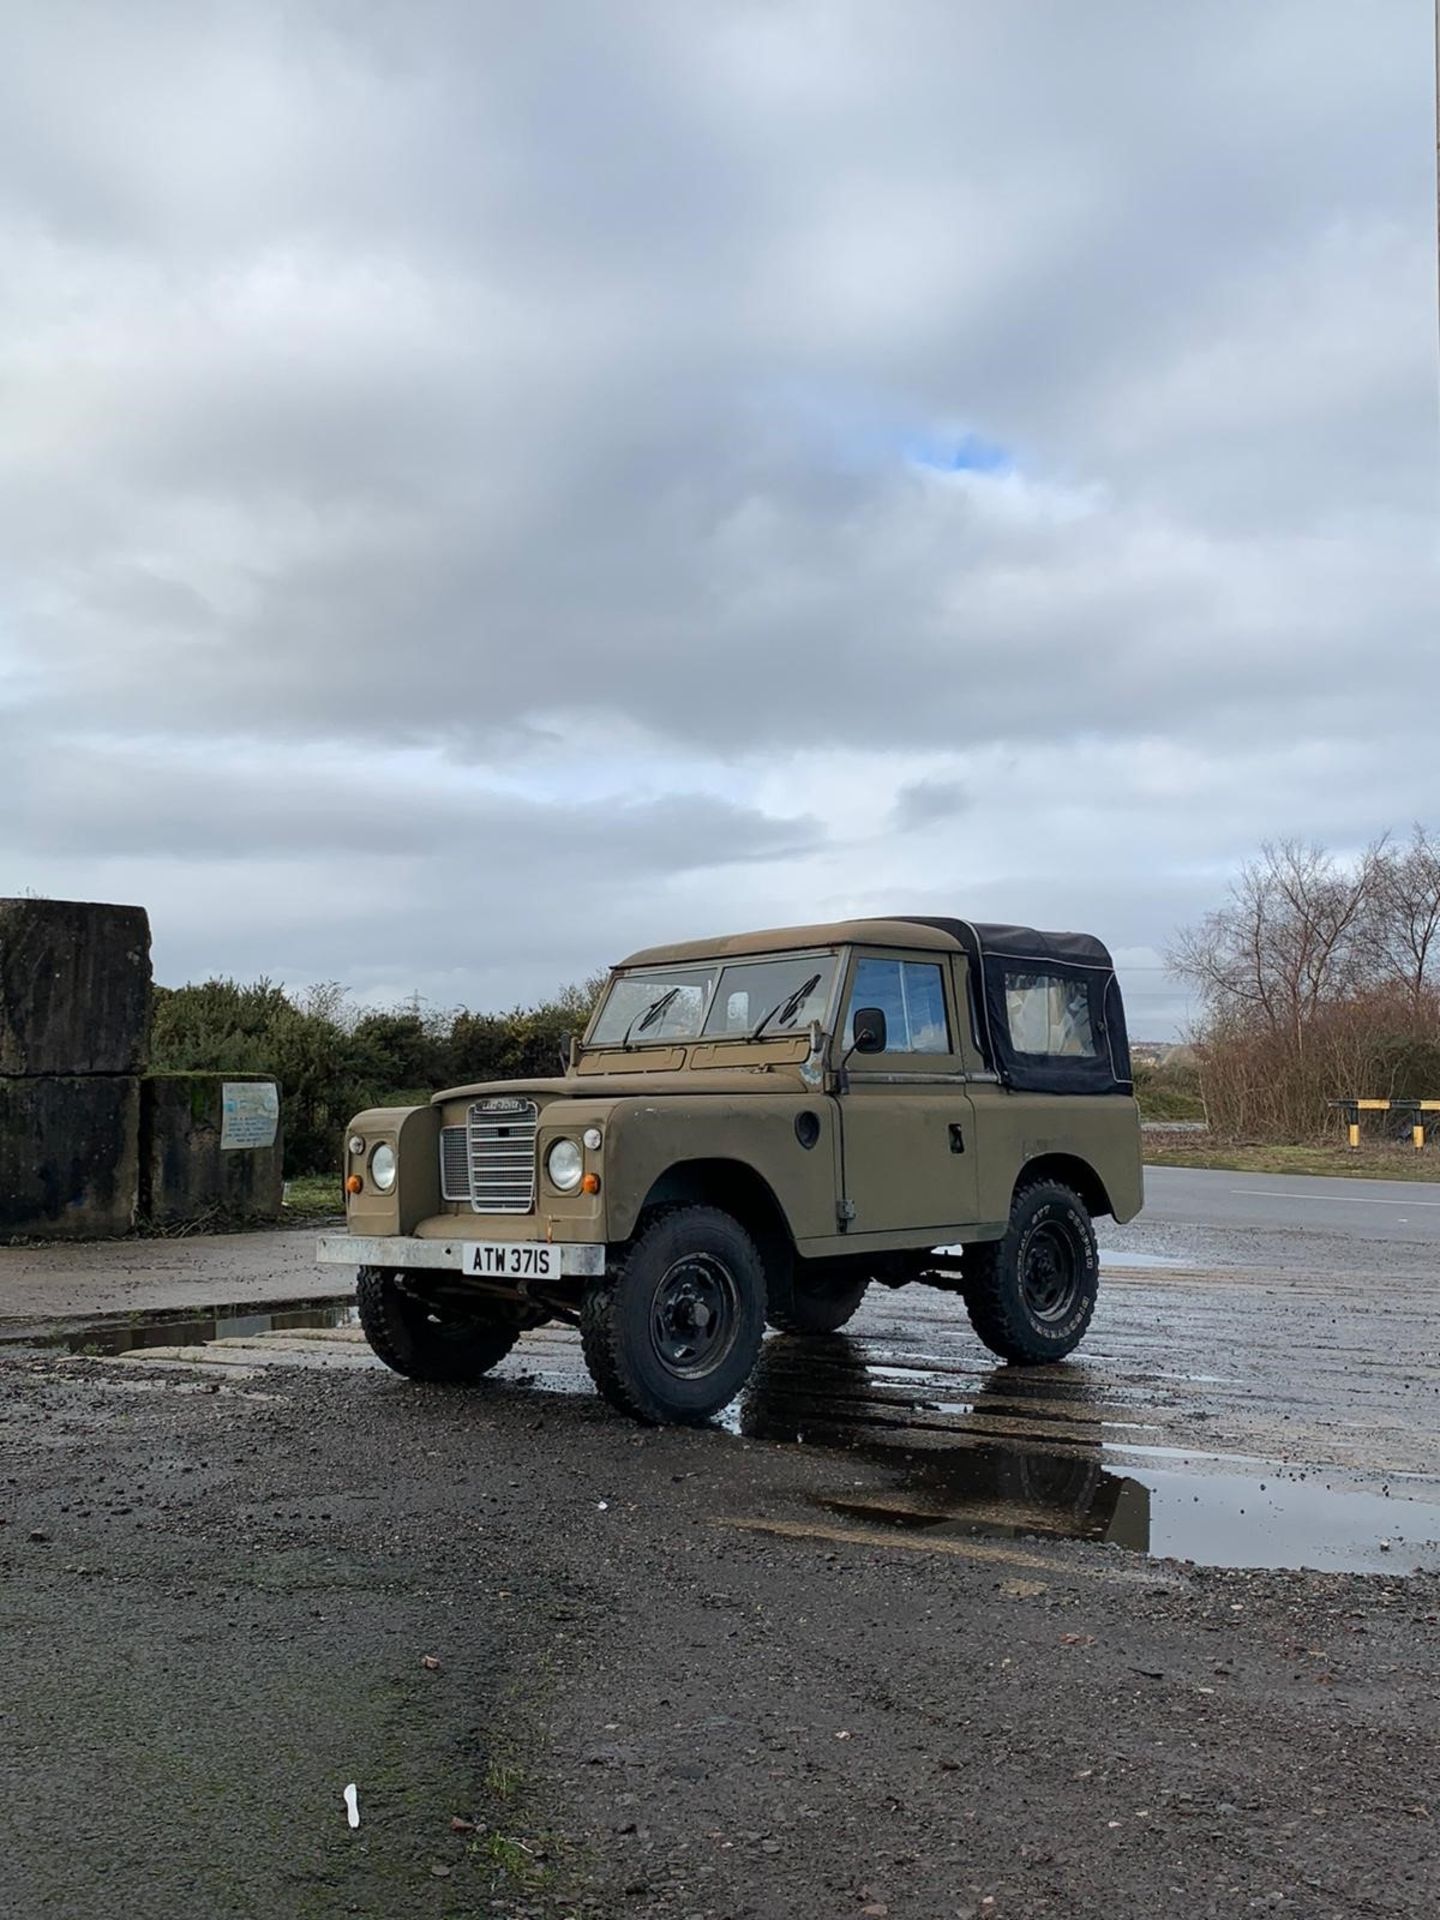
(250, 1113)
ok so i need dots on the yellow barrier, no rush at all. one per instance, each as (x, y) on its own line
(1352, 1109)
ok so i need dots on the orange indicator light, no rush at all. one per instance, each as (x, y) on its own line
(354, 1184)
(590, 1183)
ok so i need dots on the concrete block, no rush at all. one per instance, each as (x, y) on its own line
(69, 1156)
(207, 1148)
(74, 987)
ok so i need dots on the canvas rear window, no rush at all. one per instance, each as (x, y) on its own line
(1048, 1013)
(1051, 1018)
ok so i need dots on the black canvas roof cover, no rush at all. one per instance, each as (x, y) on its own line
(998, 951)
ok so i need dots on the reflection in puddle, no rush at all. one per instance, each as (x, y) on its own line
(124, 1333)
(1024, 1455)
(1063, 1452)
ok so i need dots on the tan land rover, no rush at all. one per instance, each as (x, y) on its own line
(754, 1129)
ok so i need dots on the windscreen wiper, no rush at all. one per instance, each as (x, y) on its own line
(643, 1021)
(784, 1010)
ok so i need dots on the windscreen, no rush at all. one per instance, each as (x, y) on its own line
(785, 993)
(659, 1004)
(774, 994)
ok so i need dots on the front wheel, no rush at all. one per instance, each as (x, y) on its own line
(672, 1330)
(428, 1342)
(1030, 1295)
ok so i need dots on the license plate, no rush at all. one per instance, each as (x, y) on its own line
(519, 1260)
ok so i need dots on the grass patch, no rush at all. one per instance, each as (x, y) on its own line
(519, 1848)
(512, 1859)
(1327, 1158)
(313, 1196)
(502, 1781)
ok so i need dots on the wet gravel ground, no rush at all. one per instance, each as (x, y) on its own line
(885, 1643)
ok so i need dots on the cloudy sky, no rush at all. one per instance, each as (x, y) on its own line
(487, 486)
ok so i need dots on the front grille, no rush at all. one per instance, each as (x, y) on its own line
(500, 1145)
(455, 1163)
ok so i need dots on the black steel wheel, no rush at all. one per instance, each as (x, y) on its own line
(671, 1332)
(425, 1341)
(695, 1315)
(1052, 1273)
(1031, 1294)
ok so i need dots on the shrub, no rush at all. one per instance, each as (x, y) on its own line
(1169, 1092)
(331, 1060)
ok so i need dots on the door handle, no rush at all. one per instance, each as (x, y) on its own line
(957, 1137)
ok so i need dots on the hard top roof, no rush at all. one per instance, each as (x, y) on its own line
(898, 931)
(831, 933)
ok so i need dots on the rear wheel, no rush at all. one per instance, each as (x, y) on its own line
(1031, 1294)
(672, 1331)
(432, 1342)
(813, 1296)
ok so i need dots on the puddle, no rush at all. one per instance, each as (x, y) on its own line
(1217, 1520)
(113, 1333)
(962, 1468)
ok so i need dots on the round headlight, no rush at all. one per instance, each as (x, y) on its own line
(356, 1144)
(382, 1168)
(591, 1137)
(565, 1164)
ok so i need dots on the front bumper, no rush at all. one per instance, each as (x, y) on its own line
(584, 1259)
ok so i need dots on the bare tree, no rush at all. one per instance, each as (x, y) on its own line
(1292, 939)
(1319, 979)
(1405, 917)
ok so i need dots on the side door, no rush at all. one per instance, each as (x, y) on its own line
(907, 1123)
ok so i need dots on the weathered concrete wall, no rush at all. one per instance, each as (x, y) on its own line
(74, 988)
(69, 1155)
(186, 1172)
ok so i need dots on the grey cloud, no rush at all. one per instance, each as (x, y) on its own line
(95, 801)
(475, 382)
(925, 802)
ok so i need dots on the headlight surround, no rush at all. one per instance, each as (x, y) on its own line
(382, 1167)
(565, 1164)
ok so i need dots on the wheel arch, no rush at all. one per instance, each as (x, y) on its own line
(736, 1188)
(1070, 1171)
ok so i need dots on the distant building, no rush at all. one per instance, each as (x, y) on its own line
(1160, 1053)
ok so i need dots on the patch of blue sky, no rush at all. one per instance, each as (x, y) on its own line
(865, 430)
(958, 453)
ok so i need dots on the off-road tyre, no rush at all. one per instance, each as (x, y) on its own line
(812, 1296)
(425, 1344)
(639, 1319)
(1030, 1295)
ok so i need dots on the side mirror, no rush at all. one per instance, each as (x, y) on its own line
(867, 1030)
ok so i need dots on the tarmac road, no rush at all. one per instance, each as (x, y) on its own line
(1285, 1223)
(1365, 1211)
